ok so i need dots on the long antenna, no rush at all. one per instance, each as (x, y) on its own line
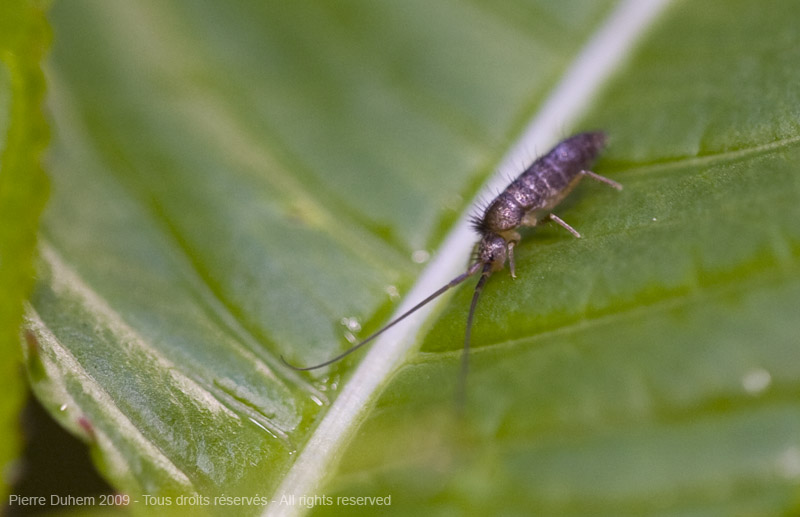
(462, 379)
(452, 283)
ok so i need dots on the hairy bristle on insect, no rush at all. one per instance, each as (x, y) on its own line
(478, 223)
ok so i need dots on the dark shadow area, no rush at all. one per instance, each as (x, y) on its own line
(54, 464)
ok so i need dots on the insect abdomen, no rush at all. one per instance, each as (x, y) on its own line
(544, 183)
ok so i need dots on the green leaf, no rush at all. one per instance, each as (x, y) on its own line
(238, 182)
(23, 135)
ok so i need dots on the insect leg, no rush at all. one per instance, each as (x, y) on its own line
(513, 240)
(510, 248)
(602, 179)
(560, 222)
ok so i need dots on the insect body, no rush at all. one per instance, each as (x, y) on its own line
(527, 201)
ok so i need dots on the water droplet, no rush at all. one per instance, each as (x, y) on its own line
(454, 202)
(352, 324)
(756, 381)
(789, 462)
(392, 291)
(420, 256)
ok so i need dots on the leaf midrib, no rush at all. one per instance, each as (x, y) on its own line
(325, 444)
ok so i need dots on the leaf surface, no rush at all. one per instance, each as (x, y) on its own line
(232, 180)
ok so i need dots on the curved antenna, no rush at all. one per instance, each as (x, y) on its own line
(452, 283)
(462, 378)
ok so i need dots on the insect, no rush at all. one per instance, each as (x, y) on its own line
(526, 201)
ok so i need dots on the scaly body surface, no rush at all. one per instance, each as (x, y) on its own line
(528, 199)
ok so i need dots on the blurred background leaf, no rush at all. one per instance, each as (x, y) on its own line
(24, 38)
(231, 180)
